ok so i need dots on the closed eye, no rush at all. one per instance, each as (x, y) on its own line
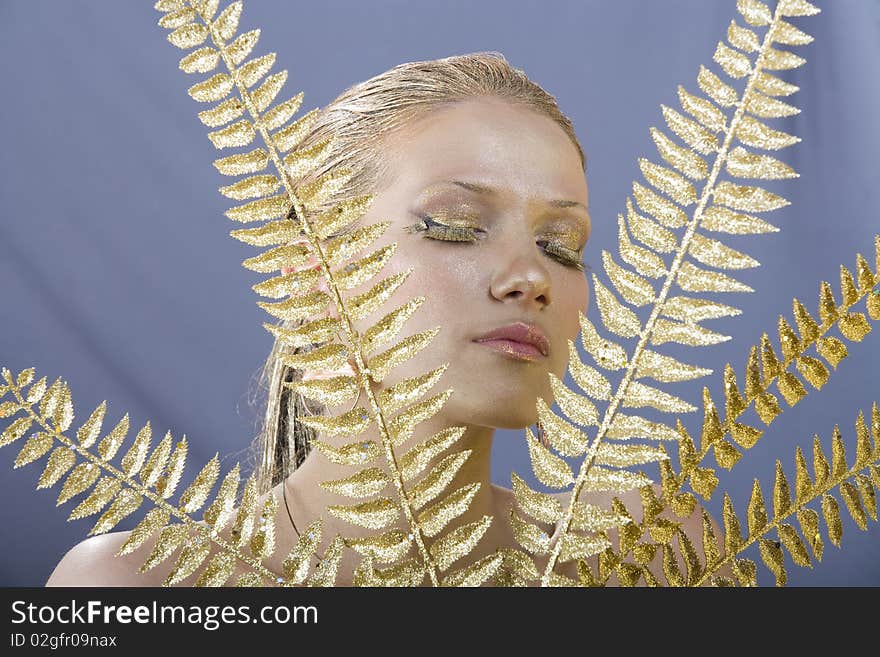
(437, 231)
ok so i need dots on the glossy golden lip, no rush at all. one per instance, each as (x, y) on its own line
(507, 347)
(519, 332)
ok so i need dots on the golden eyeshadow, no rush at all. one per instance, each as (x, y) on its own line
(457, 216)
(569, 238)
(432, 229)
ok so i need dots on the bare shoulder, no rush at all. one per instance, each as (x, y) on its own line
(93, 562)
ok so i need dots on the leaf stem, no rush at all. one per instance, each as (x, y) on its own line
(144, 491)
(352, 337)
(854, 470)
(658, 305)
(705, 447)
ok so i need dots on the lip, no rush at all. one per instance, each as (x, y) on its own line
(521, 340)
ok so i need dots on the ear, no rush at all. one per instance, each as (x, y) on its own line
(348, 369)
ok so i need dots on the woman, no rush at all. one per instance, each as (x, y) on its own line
(470, 143)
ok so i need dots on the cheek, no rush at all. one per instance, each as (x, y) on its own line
(576, 300)
(448, 281)
(441, 270)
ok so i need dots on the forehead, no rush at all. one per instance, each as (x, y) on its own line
(516, 149)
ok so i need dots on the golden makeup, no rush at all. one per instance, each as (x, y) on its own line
(560, 242)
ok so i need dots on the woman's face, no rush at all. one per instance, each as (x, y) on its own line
(518, 181)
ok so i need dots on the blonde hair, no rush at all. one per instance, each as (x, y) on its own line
(359, 120)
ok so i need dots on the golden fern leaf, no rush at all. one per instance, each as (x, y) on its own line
(144, 474)
(670, 201)
(856, 484)
(726, 437)
(241, 114)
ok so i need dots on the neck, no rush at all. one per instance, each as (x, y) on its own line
(310, 500)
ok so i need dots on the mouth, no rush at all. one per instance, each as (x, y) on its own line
(518, 340)
(517, 350)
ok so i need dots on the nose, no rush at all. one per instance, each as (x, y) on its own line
(522, 276)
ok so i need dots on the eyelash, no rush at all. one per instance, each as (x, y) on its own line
(438, 231)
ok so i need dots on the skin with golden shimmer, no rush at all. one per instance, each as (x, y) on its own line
(513, 177)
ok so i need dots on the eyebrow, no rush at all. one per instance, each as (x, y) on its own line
(482, 189)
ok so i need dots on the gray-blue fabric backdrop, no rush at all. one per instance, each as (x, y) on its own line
(118, 273)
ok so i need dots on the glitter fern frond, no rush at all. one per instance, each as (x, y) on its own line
(234, 538)
(726, 437)
(334, 245)
(856, 484)
(669, 202)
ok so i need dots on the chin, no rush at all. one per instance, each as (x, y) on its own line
(515, 426)
(490, 412)
(506, 416)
